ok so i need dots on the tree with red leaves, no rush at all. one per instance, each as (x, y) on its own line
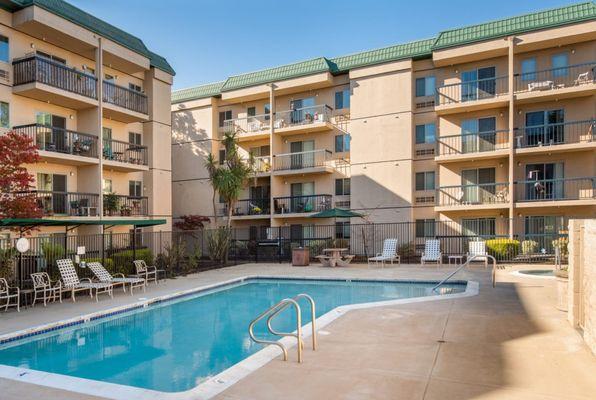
(16, 201)
(191, 222)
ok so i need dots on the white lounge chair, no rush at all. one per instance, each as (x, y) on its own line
(45, 289)
(432, 252)
(477, 249)
(9, 294)
(146, 272)
(389, 253)
(117, 280)
(71, 282)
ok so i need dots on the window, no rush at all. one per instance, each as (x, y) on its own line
(135, 188)
(425, 133)
(4, 49)
(224, 116)
(425, 228)
(136, 88)
(134, 138)
(342, 143)
(4, 115)
(260, 151)
(342, 230)
(528, 67)
(267, 111)
(342, 186)
(425, 180)
(479, 227)
(425, 86)
(342, 99)
(107, 186)
(560, 62)
(222, 156)
(251, 111)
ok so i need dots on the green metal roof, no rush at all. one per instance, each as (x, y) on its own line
(79, 17)
(523, 23)
(198, 92)
(29, 222)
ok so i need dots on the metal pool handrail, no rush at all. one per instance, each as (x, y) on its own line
(466, 264)
(312, 318)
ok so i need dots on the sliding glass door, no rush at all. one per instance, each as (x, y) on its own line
(545, 128)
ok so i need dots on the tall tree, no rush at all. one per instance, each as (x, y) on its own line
(16, 199)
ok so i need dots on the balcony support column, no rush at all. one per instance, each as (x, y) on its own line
(99, 90)
(511, 123)
(271, 152)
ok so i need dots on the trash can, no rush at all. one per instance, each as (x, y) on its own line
(300, 256)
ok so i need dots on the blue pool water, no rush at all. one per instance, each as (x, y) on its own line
(173, 346)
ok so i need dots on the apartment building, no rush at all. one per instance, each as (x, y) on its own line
(491, 126)
(96, 102)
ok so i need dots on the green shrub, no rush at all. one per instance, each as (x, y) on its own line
(52, 252)
(562, 244)
(7, 263)
(123, 260)
(529, 247)
(502, 248)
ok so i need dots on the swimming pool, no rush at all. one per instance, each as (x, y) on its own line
(175, 345)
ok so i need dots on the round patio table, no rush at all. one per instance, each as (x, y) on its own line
(335, 255)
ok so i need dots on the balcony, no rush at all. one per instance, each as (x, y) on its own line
(303, 120)
(560, 83)
(301, 206)
(124, 156)
(561, 136)
(475, 145)
(124, 206)
(262, 165)
(475, 196)
(63, 145)
(70, 204)
(563, 191)
(313, 161)
(124, 104)
(472, 95)
(50, 81)
(255, 127)
(250, 209)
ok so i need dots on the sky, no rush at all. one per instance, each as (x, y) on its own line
(208, 40)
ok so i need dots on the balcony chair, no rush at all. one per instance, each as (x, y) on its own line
(45, 289)
(478, 248)
(389, 253)
(147, 272)
(117, 279)
(432, 252)
(9, 294)
(71, 282)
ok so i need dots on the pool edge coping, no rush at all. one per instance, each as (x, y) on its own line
(217, 383)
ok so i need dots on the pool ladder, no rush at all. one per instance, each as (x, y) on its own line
(273, 311)
(470, 259)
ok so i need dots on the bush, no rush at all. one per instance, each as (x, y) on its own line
(502, 248)
(123, 260)
(529, 247)
(7, 263)
(52, 252)
(561, 243)
(218, 244)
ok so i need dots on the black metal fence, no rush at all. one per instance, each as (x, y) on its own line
(124, 97)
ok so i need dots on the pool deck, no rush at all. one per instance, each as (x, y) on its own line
(505, 343)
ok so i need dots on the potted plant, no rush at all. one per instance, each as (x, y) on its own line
(125, 211)
(110, 203)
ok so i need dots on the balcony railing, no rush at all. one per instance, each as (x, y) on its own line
(301, 160)
(465, 195)
(556, 189)
(302, 204)
(560, 133)
(125, 152)
(124, 97)
(556, 78)
(65, 203)
(250, 207)
(247, 125)
(303, 116)
(262, 164)
(118, 205)
(52, 73)
(60, 140)
(477, 142)
(469, 91)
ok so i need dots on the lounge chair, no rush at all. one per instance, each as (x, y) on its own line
(117, 279)
(389, 253)
(45, 289)
(71, 282)
(146, 272)
(477, 248)
(9, 294)
(432, 252)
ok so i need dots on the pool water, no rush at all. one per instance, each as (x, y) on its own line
(173, 346)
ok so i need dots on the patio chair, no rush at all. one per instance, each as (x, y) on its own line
(45, 289)
(146, 272)
(117, 279)
(389, 253)
(9, 294)
(71, 282)
(477, 248)
(432, 252)
(582, 78)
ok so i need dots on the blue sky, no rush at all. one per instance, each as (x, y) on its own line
(209, 40)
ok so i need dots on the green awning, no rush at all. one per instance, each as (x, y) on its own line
(336, 213)
(34, 222)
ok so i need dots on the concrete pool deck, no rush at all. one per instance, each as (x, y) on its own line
(508, 342)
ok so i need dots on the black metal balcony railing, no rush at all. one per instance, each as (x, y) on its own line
(301, 160)
(555, 78)
(560, 133)
(119, 205)
(125, 152)
(124, 97)
(65, 203)
(303, 116)
(250, 207)
(477, 142)
(465, 195)
(52, 73)
(556, 189)
(471, 90)
(302, 204)
(60, 140)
